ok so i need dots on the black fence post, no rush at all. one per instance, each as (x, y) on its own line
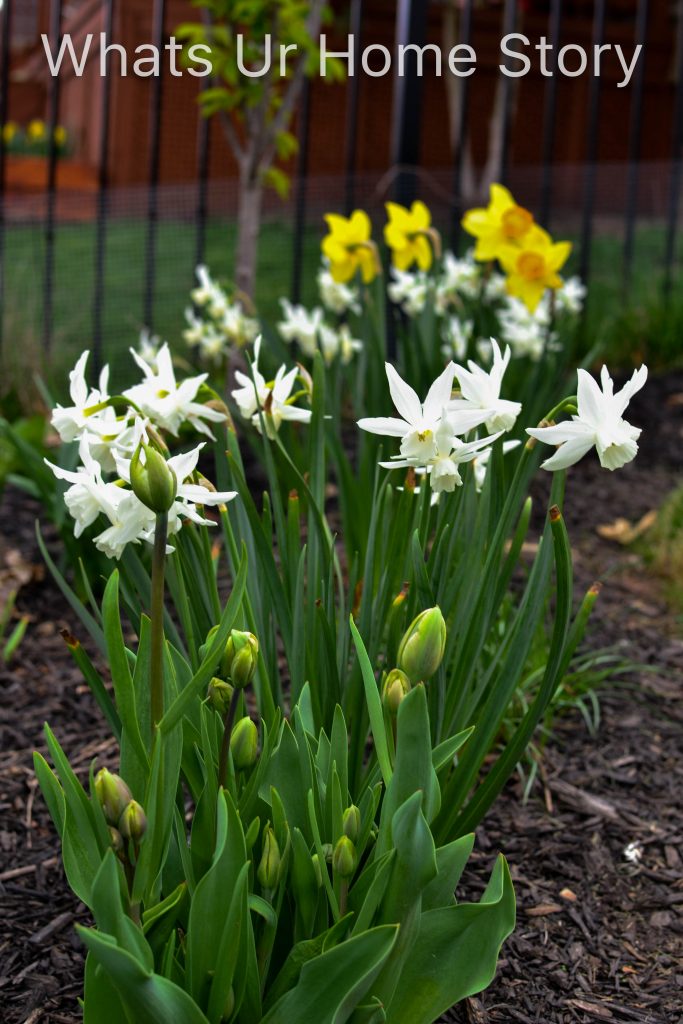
(301, 188)
(411, 28)
(351, 136)
(509, 25)
(52, 121)
(593, 139)
(102, 203)
(6, 29)
(676, 167)
(159, 17)
(550, 113)
(635, 132)
(203, 156)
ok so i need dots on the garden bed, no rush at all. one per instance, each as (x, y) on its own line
(599, 935)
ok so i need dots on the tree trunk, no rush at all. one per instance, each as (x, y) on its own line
(250, 199)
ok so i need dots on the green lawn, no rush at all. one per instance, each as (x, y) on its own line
(625, 324)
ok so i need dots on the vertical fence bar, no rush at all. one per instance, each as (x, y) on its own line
(203, 154)
(591, 149)
(550, 113)
(158, 19)
(356, 25)
(676, 165)
(102, 200)
(52, 120)
(411, 28)
(301, 189)
(509, 25)
(462, 123)
(635, 132)
(6, 29)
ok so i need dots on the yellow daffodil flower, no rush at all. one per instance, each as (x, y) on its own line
(410, 236)
(500, 224)
(36, 130)
(533, 266)
(349, 247)
(9, 132)
(60, 135)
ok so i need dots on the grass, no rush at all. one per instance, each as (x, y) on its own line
(628, 326)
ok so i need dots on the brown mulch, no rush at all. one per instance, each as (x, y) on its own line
(596, 853)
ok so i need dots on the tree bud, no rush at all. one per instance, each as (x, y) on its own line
(396, 686)
(153, 481)
(244, 744)
(113, 795)
(240, 658)
(219, 695)
(422, 648)
(269, 868)
(133, 822)
(351, 823)
(344, 858)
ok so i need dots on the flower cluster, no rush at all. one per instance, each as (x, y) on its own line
(216, 324)
(115, 432)
(271, 402)
(508, 233)
(311, 332)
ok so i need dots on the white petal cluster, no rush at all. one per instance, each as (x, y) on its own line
(311, 333)
(527, 334)
(269, 401)
(337, 297)
(459, 279)
(456, 334)
(216, 323)
(409, 291)
(598, 424)
(107, 438)
(480, 389)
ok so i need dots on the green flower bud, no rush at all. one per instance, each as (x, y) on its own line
(116, 840)
(244, 744)
(351, 823)
(240, 659)
(113, 795)
(328, 850)
(219, 694)
(396, 686)
(344, 858)
(315, 860)
(229, 1007)
(153, 482)
(269, 868)
(133, 822)
(422, 647)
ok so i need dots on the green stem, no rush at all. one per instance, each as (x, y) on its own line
(227, 733)
(157, 627)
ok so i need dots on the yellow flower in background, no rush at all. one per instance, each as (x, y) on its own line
(60, 135)
(9, 132)
(36, 130)
(410, 236)
(349, 247)
(533, 266)
(502, 223)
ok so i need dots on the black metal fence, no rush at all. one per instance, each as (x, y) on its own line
(411, 25)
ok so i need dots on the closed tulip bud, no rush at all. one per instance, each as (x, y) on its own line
(244, 744)
(240, 659)
(116, 840)
(344, 858)
(269, 868)
(153, 481)
(422, 647)
(351, 823)
(219, 694)
(113, 795)
(315, 860)
(396, 686)
(229, 1007)
(133, 822)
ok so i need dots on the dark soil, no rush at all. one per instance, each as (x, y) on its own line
(600, 931)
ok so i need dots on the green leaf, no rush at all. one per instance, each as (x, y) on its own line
(455, 953)
(334, 983)
(148, 998)
(374, 706)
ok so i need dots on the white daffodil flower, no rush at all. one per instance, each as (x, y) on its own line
(209, 295)
(420, 421)
(273, 399)
(571, 296)
(409, 291)
(598, 423)
(196, 327)
(481, 390)
(449, 453)
(337, 297)
(148, 346)
(71, 421)
(348, 345)
(301, 326)
(459, 278)
(167, 403)
(456, 335)
(89, 495)
(481, 462)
